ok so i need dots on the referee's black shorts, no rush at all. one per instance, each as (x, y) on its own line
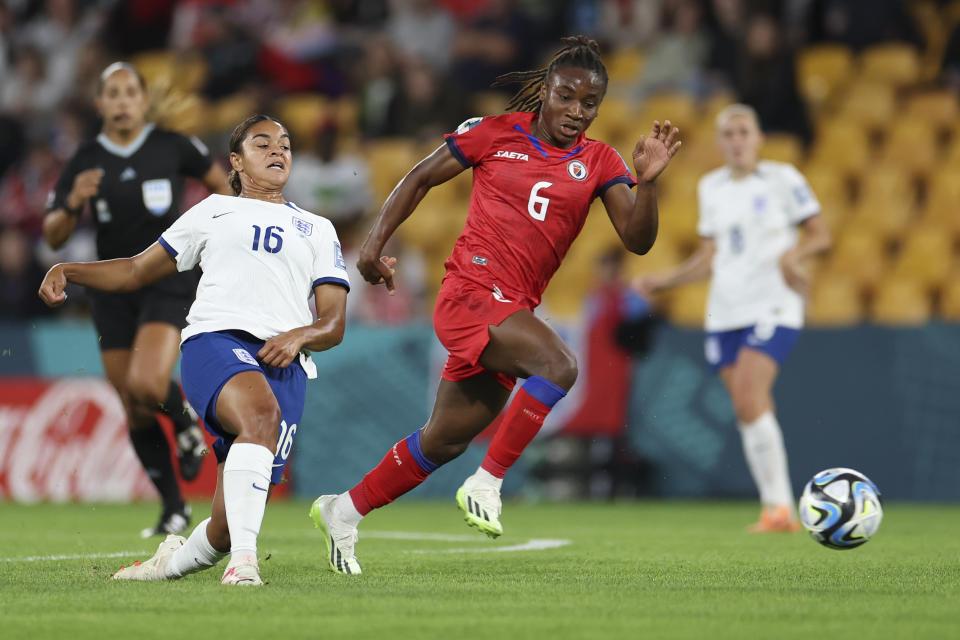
(117, 316)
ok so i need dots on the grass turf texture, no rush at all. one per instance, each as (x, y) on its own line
(644, 569)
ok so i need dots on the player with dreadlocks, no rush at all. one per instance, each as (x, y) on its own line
(535, 175)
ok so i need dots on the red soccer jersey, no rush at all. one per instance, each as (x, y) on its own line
(529, 202)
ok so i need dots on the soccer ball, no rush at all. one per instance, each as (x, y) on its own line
(841, 508)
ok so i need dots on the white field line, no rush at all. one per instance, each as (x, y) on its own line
(533, 544)
(79, 556)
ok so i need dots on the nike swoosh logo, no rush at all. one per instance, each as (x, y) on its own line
(258, 488)
(221, 214)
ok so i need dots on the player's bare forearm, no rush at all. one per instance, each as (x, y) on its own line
(635, 217)
(694, 269)
(122, 274)
(435, 169)
(58, 226)
(327, 331)
(324, 333)
(816, 238)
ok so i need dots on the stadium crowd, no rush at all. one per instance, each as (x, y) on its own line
(347, 75)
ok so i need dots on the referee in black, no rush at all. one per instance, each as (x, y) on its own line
(132, 176)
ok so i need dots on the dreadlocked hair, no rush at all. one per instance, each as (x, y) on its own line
(578, 51)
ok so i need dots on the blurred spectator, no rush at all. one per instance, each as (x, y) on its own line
(422, 29)
(298, 48)
(861, 24)
(497, 40)
(616, 24)
(6, 29)
(678, 56)
(728, 19)
(60, 33)
(139, 25)
(30, 90)
(950, 67)
(231, 54)
(25, 189)
(330, 183)
(618, 325)
(766, 79)
(378, 87)
(72, 124)
(20, 277)
(371, 14)
(426, 107)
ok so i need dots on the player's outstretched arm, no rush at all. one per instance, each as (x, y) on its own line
(122, 274)
(437, 168)
(694, 269)
(635, 217)
(325, 333)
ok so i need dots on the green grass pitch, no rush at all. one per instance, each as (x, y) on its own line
(630, 570)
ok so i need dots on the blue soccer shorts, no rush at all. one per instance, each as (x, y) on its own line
(209, 360)
(721, 347)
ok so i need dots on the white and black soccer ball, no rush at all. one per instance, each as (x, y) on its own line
(841, 508)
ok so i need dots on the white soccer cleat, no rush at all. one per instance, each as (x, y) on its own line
(339, 536)
(155, 567)
(481, 506)
(243, 572)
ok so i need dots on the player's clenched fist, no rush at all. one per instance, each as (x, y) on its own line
(85, 186)
(378, 270)
(51, 289)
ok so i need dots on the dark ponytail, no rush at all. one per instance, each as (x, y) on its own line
(236, 145)
(578, 51)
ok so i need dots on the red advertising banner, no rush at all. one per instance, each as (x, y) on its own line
(66, 440)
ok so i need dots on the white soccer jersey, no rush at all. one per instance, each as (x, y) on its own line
(260, 263)
(753, 222)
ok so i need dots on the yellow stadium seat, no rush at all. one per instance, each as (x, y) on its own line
(834, 301)
(950, 299)
(664, 255)
(942, 206)
(901, 301)
(911, 144)
(625, 65)
(843, 145)
(869, 103)
(680, 183)
(687, 305)
(157, 65)
(926, 255)
(887, 201)
(828, 184)
(389, 160)
(893, 63)
(618, 120)
(679, 108)
(230, 111)
(939, 108)
(860, 254)
(698, 155)
(302, 113)
(783, 147)
(821, 70)
(678, 219)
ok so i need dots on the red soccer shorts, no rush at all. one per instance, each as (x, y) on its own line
(462, 319)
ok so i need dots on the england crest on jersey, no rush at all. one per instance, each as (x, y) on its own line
(157, 196)
(304, 227)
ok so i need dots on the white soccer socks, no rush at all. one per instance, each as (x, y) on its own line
(195, 555)
(246, 481)
(767, 459)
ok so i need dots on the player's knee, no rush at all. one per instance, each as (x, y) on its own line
(147, 393)
(747, 406)
(263, 424)
(562, 369)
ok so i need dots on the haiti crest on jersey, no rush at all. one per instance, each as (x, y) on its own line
(577, 170)
(304, 227)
